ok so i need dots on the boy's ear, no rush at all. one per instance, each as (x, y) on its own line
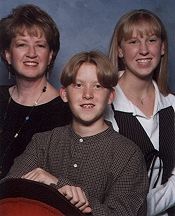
(63, 94)
(111, 96)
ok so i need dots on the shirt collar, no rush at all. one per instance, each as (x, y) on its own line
(123, 104)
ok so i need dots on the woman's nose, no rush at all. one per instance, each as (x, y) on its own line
(31, 52)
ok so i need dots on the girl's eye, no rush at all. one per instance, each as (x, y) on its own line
(132, 42)
(152, 40)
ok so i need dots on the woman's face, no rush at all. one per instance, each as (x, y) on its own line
(29, 55)
(141, 54)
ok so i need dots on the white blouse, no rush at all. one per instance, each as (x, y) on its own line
(163, 196)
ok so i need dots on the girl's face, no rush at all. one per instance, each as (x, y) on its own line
(141, 54)
(29, 55)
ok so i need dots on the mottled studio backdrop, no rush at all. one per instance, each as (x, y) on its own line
(88, 24)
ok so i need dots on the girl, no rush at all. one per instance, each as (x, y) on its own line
(142, 110)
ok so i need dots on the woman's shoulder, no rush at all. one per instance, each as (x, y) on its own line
(54, 103)
(4, 92)
(54, 113)
(4, 88)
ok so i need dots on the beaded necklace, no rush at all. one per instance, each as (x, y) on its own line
(27, 117)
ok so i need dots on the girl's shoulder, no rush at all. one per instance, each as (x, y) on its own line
(171, 99)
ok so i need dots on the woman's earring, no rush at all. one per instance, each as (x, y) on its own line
(9, 73)
(47, 75)
(47, 72)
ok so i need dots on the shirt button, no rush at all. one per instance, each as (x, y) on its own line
(75, 165)
(81, 140)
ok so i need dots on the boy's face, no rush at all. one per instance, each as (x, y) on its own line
(87, 98)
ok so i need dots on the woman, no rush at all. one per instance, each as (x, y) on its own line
(29, 43)
(143, 109)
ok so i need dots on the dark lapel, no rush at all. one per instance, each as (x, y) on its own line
(130, 127)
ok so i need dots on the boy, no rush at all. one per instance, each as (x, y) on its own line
(93, 166)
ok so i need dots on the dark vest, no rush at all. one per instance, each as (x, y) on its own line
(131, 128)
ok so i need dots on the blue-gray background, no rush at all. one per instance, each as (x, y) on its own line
(88, 24)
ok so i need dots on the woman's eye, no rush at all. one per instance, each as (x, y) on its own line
(42, 45)
(20, 45)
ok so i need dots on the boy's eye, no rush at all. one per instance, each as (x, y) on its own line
(98, 86)
(77, 85)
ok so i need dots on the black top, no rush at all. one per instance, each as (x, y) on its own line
(43, 117)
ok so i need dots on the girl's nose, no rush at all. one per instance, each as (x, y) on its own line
(144, 48)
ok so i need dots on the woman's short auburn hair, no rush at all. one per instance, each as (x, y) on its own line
(35, 21)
